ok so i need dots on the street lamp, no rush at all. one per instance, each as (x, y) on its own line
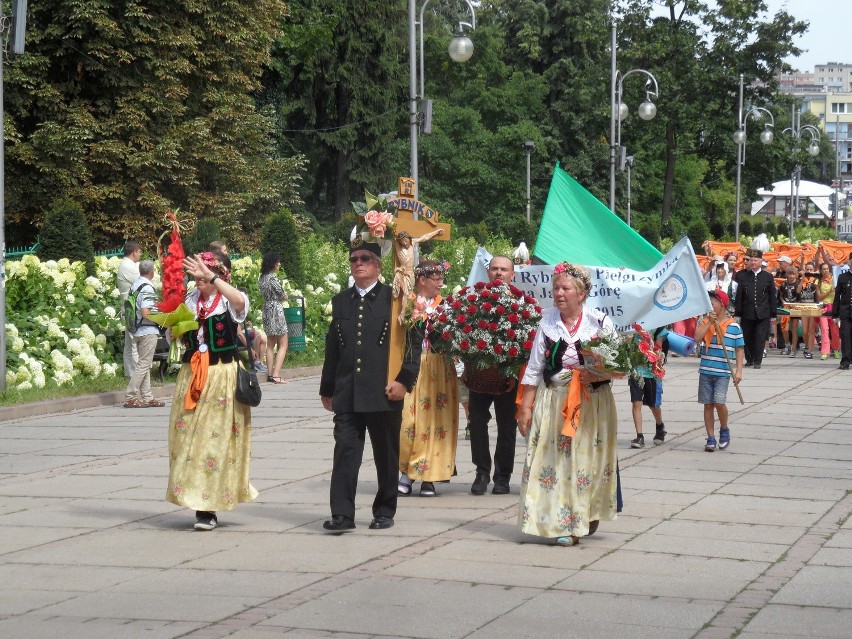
(628, 163)
(618, 110)
(529, 147)
(460, 50)
(766, 136)
(795, 130)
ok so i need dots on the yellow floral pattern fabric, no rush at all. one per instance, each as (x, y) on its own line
(569, 482)
(430, 421)
(210, 446)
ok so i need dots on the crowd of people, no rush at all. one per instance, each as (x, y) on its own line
(564, 409)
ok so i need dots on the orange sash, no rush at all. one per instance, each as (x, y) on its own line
(199, 364)
(571, 407)
(723, 326)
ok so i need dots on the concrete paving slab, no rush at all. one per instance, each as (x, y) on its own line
(670, 544)
(90, 514)
(74, 579)
(88, 628)
(722, 530)
(824, 586)
(832, 557)
(662, 575)
(376, 607)
(801, 621)
(23, 601)
(601, 615)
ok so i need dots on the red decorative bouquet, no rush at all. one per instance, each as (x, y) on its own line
(488, 325)
(619, 355)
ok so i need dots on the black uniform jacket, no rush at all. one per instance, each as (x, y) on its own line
(354, 373)
(842, 306)
(756, 299)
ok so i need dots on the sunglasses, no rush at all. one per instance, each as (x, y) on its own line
(353, 259)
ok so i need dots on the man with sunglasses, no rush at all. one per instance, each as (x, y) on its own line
(354, 386)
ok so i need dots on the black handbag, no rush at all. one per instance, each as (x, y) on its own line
(248, 388)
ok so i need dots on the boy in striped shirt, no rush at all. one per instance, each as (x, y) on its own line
(714, 373)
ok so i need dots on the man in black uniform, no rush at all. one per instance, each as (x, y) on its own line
(354, 386)
(842, 309)
(755, 307)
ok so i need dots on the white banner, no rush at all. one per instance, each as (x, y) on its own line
(673, 290)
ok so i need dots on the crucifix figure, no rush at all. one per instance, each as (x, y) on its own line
(403, 276)
(408, 233)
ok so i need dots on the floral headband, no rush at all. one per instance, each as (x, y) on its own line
(211, 262)
(425, 270)
(573, 271)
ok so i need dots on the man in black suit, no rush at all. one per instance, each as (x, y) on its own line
(354, 386)
(842, 310)
(500, 268)
(755, 307)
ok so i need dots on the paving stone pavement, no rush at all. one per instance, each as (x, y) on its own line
(754, 541)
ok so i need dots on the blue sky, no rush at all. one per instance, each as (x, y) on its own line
(827, 35)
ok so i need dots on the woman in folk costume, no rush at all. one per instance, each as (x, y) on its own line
(430, 415)
(570, 480)
(209, 431)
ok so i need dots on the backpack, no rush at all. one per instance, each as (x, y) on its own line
(130, 309)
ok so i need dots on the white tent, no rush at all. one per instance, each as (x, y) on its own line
(818, 194)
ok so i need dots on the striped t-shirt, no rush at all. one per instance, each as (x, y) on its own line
(713, 358)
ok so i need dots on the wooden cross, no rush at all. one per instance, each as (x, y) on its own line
(426, 225)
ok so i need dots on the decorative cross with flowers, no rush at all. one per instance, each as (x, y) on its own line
(426, 224)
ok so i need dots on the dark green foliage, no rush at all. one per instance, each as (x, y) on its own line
(758, 226)
(198, 241)
(280, 235)
(651, 232)
(66, 234)
(135, 108)
(771, 228)
(746, 227)
(698, 232)
(717, 230)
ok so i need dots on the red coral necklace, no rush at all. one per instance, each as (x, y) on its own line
(573, 329)
(203, 310)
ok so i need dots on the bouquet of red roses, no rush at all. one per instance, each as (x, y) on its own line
(616, 355)
(488, 325)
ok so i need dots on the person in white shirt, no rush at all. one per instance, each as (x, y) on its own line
(128, 272)
(138, 393)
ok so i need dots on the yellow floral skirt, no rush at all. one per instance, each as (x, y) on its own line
(567, 482)
(430, 421)
(210, 446)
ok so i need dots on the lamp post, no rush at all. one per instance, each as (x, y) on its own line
(628, 163)
(619, 110)
(529, 147)
(795, 130)
(460, 50)
(766, 136)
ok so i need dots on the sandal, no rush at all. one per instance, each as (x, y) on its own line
(133, 403)
(403, 488)
(154, 403)
(567, 541)
(274, 380)
(593, 526)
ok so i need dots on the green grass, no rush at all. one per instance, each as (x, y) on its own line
(14, 397)
(108, 384)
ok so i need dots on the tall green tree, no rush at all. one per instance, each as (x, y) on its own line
(137, 107)
(697, 51)
(338, 86)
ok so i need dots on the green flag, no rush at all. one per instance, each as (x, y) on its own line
(577, 227)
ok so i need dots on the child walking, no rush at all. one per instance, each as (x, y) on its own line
(713, 372)
(651, 395)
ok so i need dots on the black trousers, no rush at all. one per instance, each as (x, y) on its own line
(349, 433)
(755, 334)
(480, 447)
(845, 341)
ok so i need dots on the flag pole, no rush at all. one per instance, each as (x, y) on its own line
(721, 337)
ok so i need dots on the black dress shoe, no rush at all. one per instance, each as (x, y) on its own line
(844, 367)
(380, 523)
(756, 366)
(500, 488)
(749, 364)
(339, 523)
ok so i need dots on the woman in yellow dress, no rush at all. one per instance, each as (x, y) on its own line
(430, 415)
(209, 431)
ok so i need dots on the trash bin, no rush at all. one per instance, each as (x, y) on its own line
(295, 317)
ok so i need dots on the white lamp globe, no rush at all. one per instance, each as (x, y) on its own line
(739, 136)
(767, 136)
(813, 149)
(647, 110)
(461, 48)
(622, 111)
